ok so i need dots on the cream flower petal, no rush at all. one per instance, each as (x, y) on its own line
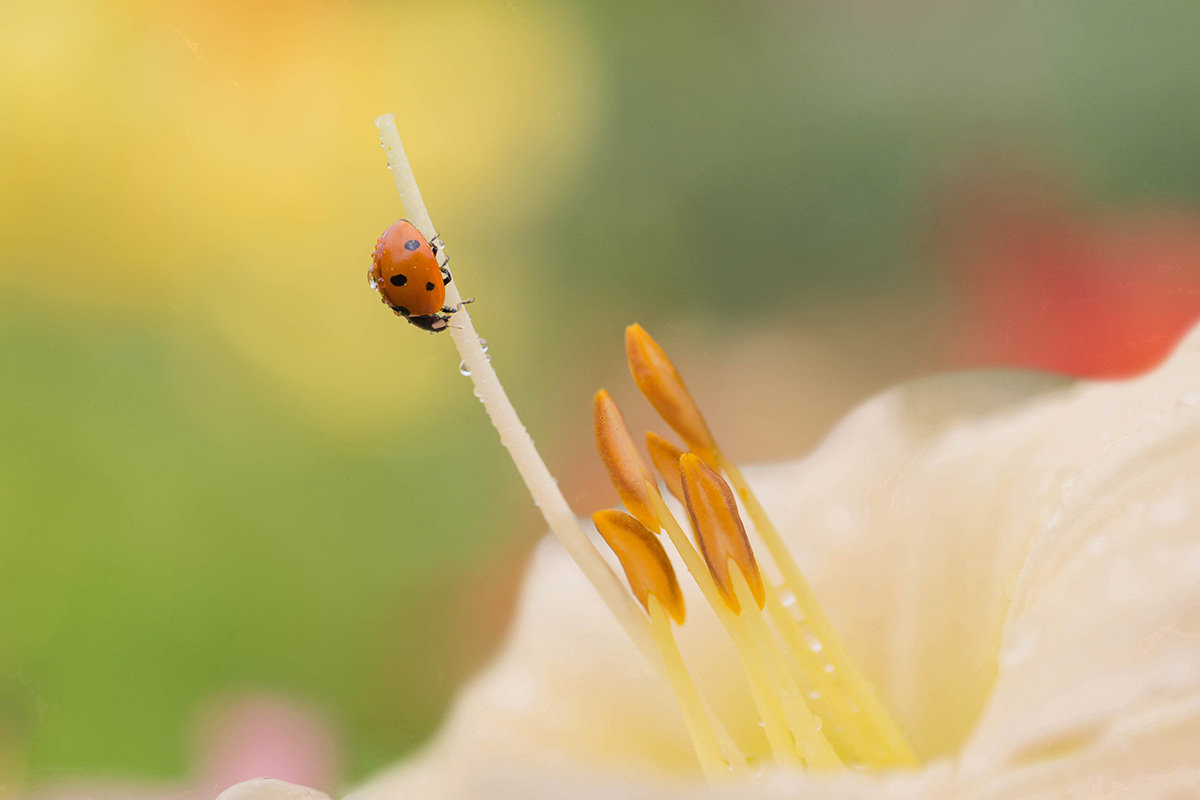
(270, 789)
(1018, 576)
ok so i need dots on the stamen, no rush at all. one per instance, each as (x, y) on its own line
(707, 751)
(626, 469)
(658, 380)
(644, 560)
(885, 729)
(652, 579)
(845, 726)
(620, 456)
(665, 457)
(806, 727)
(730, 560)
(719, 530)
(662, 385)
(774, 726)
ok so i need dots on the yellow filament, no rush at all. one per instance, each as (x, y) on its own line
(774, 725)
(729, 749)
(783, 747)
(818, 753)
(845, 727)
(705, 742)
(844, 668)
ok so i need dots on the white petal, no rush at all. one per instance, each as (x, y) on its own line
(1105, 624)
(270, 789)
(1153, 759)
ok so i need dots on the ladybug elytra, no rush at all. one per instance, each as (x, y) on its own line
(406, 273)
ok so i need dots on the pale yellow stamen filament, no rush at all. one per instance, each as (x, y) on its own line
(652, 579)
(707, 750)
(774, 724)
(844, 668)
(774, 689)
(783, 747)
(845, 726)
(805, 726)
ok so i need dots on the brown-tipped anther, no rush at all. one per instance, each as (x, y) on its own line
(665, 457)
(626, 470)
(644, 560)
(659, 381)
(719, 530)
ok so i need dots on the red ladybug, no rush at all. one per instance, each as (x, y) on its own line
(406, 273)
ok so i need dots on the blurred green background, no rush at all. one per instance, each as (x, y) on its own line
(225, 468)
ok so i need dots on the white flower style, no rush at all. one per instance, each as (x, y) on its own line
(1012, 561)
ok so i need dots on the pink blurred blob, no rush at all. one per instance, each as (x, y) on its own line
(239, 738)
(266, 736)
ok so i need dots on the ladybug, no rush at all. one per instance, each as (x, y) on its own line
(406, 273)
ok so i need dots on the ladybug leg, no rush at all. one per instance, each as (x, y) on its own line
(453, 309)
(445, 275)
(439, 255)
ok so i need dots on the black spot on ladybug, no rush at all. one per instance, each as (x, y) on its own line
(429, 287)
(411, 244)
(403, 311)
(399, 280)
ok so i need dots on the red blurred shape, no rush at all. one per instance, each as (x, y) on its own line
(1099, 296)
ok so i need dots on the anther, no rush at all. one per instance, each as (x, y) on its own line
(644, 560)
(719, 530)
(626, 470)
(659, 381)
(665, 457)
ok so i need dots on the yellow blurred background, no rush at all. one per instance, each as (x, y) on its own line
(226, 470)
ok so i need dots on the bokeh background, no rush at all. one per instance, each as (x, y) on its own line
(245, 513)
